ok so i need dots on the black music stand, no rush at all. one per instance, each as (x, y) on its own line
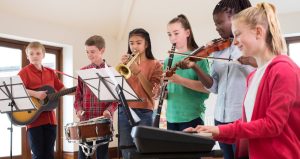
(13, 98)
(109, 86)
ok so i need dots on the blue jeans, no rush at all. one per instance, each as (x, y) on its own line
(101, 151)
(42, 140)
(126, 141)
(184, 125)
(228, 149)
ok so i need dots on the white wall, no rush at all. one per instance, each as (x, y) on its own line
(290, 23)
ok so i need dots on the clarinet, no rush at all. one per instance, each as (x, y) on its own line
(163, 89)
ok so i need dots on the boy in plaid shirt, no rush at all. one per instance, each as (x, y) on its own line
(86, 104)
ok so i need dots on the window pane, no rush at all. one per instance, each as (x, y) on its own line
(10, 61)
(295, 52)
(10, 64)
(49, 60)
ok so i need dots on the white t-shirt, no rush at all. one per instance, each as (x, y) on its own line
(252, 90)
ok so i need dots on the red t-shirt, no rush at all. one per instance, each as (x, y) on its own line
(33, 79)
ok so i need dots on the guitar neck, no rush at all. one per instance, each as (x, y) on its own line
(56, 95)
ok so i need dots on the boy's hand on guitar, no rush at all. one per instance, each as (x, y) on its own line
(41, 95)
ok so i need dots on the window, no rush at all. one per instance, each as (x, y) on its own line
(13, 58)
(10, 65)
(293, 44)
(49, 60)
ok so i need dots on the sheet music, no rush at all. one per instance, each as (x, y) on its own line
(112, 77)
(19, 94)
(91, 78)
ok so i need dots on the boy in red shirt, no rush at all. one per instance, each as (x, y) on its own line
(42, 131)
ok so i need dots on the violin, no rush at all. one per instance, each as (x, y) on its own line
(203, 53)
(216, 45)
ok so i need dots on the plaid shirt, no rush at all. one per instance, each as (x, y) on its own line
(85, 100)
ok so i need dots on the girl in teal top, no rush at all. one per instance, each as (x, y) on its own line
(186, 94)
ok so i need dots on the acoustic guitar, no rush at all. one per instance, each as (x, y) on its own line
(48, 104)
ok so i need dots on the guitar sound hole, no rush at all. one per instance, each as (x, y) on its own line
(29, 111)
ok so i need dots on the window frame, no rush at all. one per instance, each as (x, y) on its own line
(291, 40)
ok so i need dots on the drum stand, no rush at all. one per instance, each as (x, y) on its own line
(89, 150)
(111, 86)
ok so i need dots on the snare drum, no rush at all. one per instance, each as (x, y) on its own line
(87, 131)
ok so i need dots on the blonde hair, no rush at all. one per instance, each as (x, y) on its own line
(35, 45)
(265, 14)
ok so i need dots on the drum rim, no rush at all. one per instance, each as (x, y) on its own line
(89, 122)
(90, 139)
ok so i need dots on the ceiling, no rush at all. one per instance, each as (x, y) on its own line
(116, 16)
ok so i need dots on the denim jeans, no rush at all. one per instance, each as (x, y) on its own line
(228, 149)
(126, 141)
(41, 141)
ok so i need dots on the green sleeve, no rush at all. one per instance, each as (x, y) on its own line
(204, 65)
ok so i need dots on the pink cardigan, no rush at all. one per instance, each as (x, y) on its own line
(274, 130)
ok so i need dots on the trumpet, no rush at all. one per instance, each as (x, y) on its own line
(124, 69)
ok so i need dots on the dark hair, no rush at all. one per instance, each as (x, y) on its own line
(191, 43)
(95, 40)
(144, 34)
(231, 6)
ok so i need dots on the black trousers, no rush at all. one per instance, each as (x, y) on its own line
(42, 140)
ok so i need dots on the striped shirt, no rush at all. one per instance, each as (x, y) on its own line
(85, 99)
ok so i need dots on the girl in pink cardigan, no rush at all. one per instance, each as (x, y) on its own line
(269, 127)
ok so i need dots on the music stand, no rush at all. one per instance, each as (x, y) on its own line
(13, 98)
(109, 86)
